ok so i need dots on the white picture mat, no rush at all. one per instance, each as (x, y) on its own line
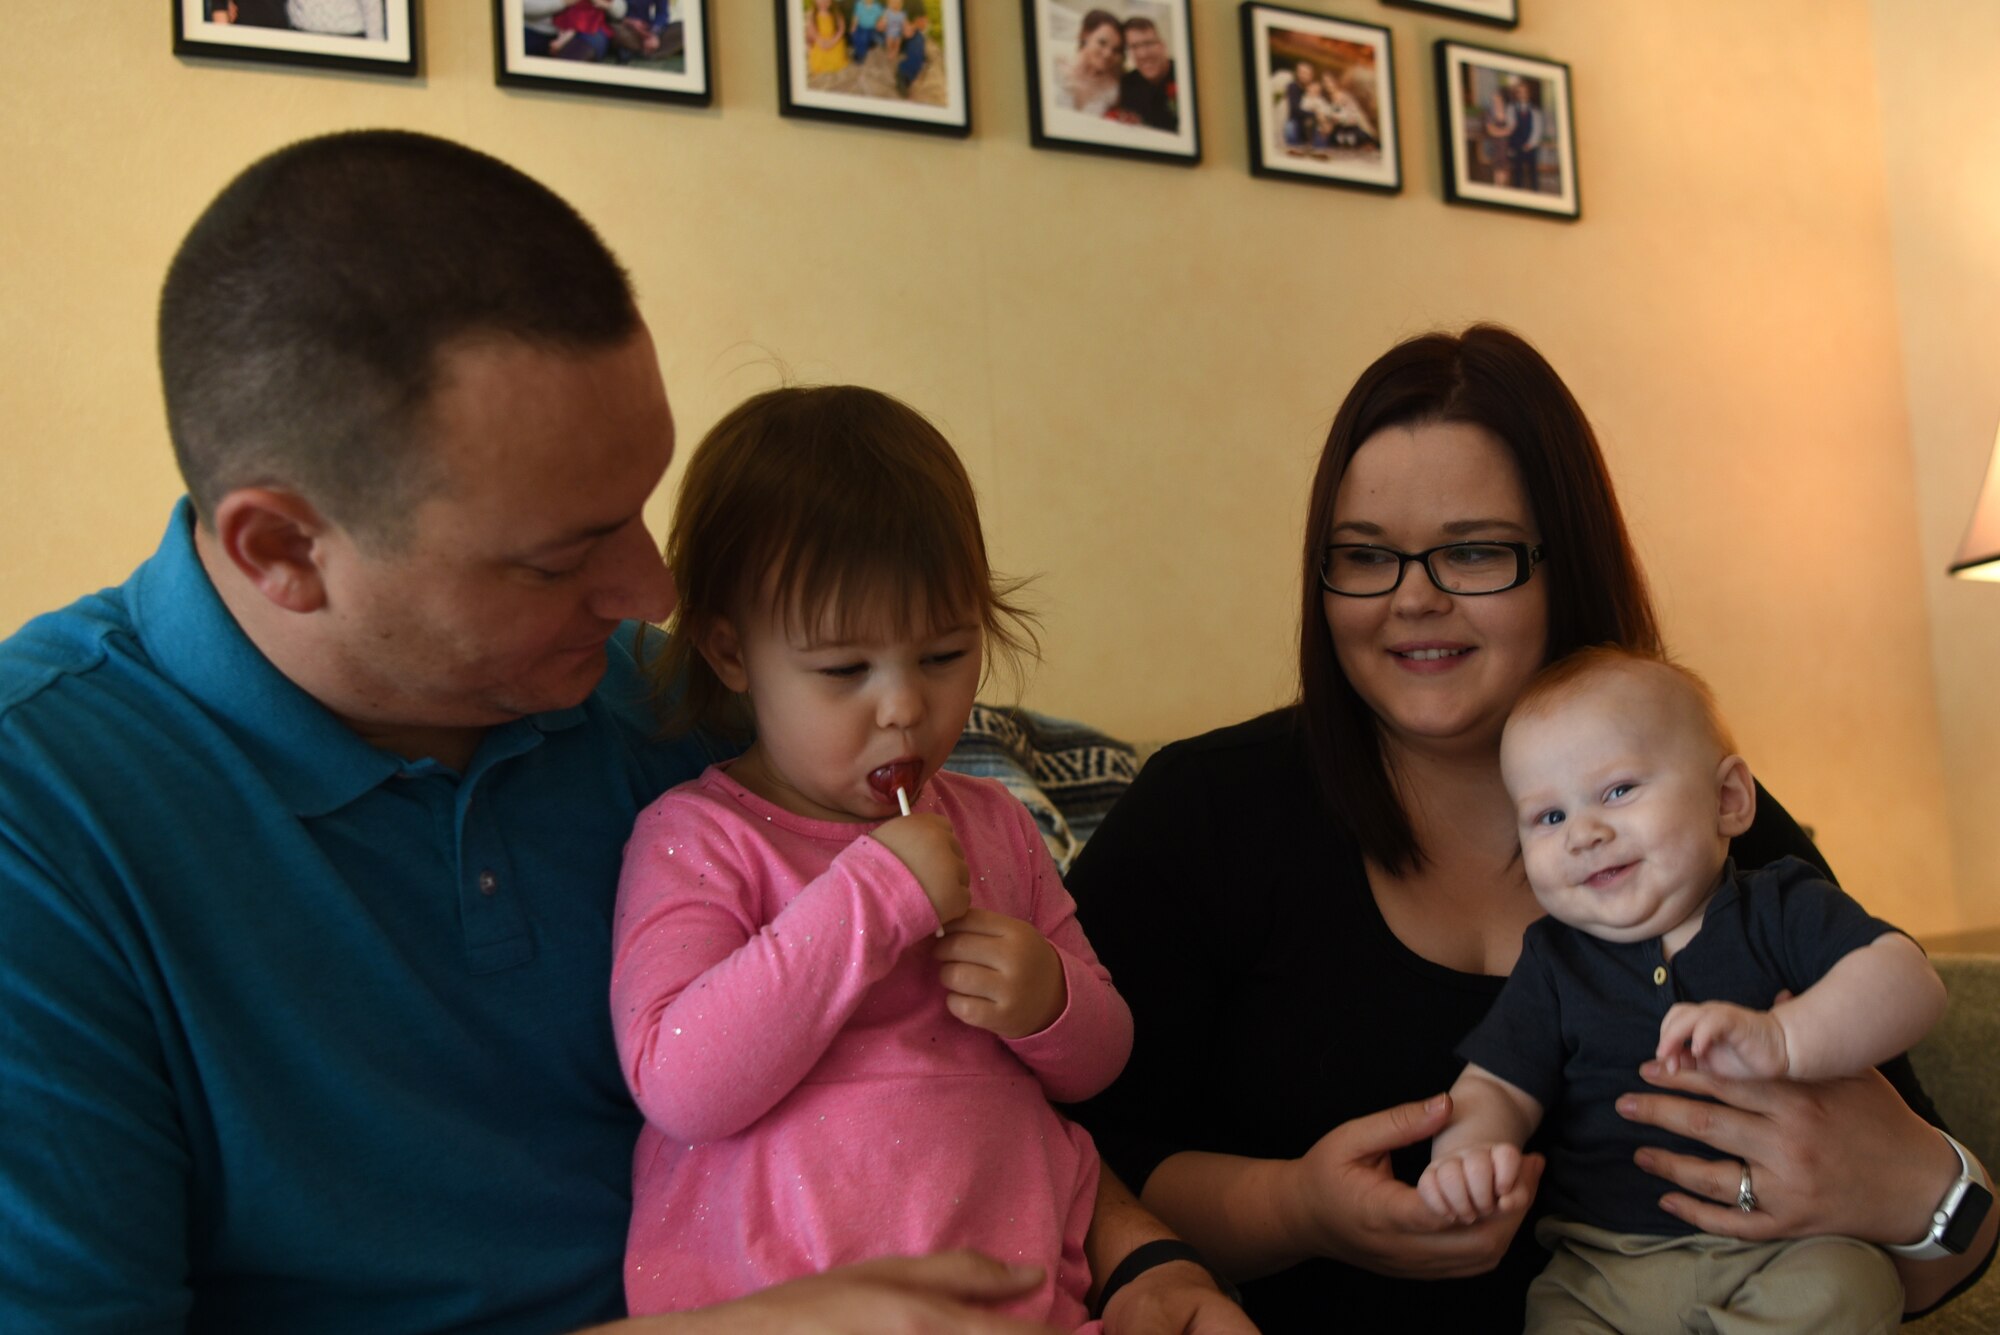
(1056, 39)
(394, 48)
(1384, 172)
(951, 48)
(1561, 130)
(692, 79)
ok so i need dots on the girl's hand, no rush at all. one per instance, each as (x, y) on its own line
(926, 845)
(1831, 1156)
(1001, 975)
(1726, 1040)
(1359, 1213)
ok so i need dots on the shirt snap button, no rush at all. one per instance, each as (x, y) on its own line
(488, 882)
(1659, 974)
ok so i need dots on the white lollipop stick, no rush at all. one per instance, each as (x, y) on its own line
(903, 801)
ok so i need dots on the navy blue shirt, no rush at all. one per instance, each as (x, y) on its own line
(1579, 1014)
(296, 1035)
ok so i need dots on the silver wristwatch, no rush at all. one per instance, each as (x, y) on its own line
(1955, 1222)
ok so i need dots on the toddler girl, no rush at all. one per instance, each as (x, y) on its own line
(844, 1025)
(826, 43)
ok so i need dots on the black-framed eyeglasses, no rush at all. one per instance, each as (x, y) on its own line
(1364, 570)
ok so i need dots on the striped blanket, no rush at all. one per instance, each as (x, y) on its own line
(1067, 774)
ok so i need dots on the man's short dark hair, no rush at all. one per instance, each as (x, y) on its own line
(1147, 24)
(302, 317)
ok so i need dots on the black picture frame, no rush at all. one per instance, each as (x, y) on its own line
(646, 54)
(1497, 13)
(1481, 153)
(1345, 136)
(259, 31)
(1140, 117)
(880, 88)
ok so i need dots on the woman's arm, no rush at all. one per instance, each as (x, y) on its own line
(1852, 1156)
(1254, 1217)
(1838, 1156)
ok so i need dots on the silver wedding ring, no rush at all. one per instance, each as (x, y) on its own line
(1746, 1199)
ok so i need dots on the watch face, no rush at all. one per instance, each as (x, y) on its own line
(1967, 1218)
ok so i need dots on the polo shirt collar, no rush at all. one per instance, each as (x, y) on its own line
(316, 763)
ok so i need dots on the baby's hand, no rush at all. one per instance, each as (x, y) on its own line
(1730, 1041)
(1001, 974)
(1466, 1185)
(926, 845)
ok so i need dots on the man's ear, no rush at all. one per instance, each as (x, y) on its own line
(271, 537)
(1738, 802)
(722, 648)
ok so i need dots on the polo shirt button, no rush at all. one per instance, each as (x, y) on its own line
(488, 882)
(1659, 970)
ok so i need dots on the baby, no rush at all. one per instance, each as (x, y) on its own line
(893, 23)
(1628, 790)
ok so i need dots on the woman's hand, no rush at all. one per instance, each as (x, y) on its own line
(1362, 1215)
(1833, 1156)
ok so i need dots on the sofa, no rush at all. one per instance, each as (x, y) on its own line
(1068, 774)
(1959, 1063)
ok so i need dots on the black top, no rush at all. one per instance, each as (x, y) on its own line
(1273, 1003)
(1154, 104)
(1579, 1014)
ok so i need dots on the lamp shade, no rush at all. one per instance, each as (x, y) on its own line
(1979, 555)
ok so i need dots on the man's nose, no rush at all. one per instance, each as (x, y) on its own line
(637, 584)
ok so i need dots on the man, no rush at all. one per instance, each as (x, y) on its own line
(1149, 92)
(916, 42)
(309, 831)
(1524, 144)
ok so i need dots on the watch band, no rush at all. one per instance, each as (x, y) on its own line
(1958, 1215)
(1159, 1252)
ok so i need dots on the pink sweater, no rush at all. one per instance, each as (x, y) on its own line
(809, 1100)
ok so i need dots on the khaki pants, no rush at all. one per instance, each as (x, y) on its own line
(1704, 1285)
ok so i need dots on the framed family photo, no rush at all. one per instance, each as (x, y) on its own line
(374, 36)
(1322, 99)
(656, 50)
(1499, 13)
(898, 63)
(1509, 135)
(1112, 76)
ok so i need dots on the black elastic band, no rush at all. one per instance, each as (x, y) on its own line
(1159, 1252)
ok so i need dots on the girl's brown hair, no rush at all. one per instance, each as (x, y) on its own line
(1492, 378)
(832, 496)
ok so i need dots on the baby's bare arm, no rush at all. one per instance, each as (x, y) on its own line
(1476, 1160)
(1873, 1005)
(1486, 1110)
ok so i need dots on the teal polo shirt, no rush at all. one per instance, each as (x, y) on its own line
(296, 1035)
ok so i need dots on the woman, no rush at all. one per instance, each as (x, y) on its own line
(1088, 80)
(1496, 127)
(1309, 910)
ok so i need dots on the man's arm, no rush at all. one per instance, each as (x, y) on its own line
(1177, 1298)
(94, 1163)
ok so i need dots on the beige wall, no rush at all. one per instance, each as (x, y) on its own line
(1942, 150)
(1138, 361)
